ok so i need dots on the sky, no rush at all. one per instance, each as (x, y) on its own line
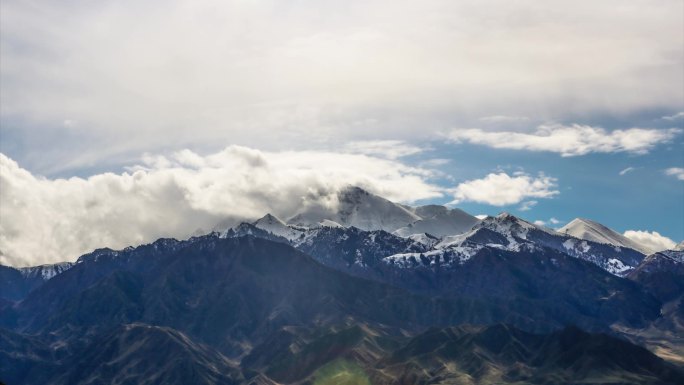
(122, 122)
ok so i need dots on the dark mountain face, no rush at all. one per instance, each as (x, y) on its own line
(572, 289)
(26, 359)
(211, 303)
(126, 354)
(354, 354)
(144, 354)
(457, 355)
(357, 252)
(220, 290)
(662, 274)
(16, 283)
(500, 354)
(201, 283)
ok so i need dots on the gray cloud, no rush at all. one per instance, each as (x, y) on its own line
(106, 80)
(679, 115)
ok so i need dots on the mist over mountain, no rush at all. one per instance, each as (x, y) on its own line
(350, 293)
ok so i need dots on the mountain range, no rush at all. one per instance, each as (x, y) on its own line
(367, 292)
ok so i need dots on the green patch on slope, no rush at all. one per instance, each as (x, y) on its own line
(341, 372)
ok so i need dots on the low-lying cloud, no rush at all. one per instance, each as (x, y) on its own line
(50, 220)
(570, 140)
(650, 239)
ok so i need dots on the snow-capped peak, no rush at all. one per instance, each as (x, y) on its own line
(439, 221)
(593, 231)
(359, 208)
(269, 220)
(508, 224)
(45, 272)
(329, 223)
(676, 256)
(274, 225)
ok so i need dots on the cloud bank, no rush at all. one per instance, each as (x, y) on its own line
(650, 239)
(45, 220)
(571, 140)
(500, 189)
(111, 79)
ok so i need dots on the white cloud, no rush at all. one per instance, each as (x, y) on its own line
(626, 170)
(435, 162)
(141, 76)
(571, 140)
(679, 115)
(527, 206)
(651, 240)
(49, 220)
(552, 221)
(500, 189)
(390, 149)
(676, 172)
(504, 119)
(481, 216)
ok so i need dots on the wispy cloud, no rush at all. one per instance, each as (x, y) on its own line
(500, 189)
(435, 162)
(551, 221)
(50, 220)
(390, 149)
(571, 140)
(677, 116)
(504, 119)
(676, 172)
(626, 170)
(527, 206)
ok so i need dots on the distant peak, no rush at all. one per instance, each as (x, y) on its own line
(506, 217)
(354, 189)
(329, 223)
(269, 219)
(584, 220)
(578, 224)
(352, 192)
